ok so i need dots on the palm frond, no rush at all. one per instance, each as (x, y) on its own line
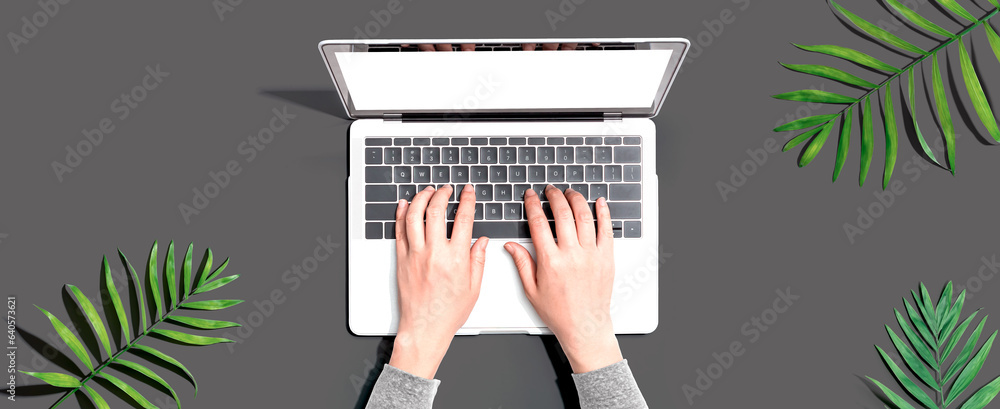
(939, 334)
(941, 97)
(160, 310)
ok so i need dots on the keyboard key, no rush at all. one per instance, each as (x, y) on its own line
(626, 191)
(460, 174)
(380, 211)
(598, 190)
(498, 141)
(540, 191)
(459, 141)
(401, 141)
(479, 174)
(373, 156)
(517, 141)
(503, 193)
(632, 173)
(536, 141)
(449, 155)
(628, 154)
(547, 209)
(422, 187)
(421, 174)
(574, 173)
(555, 173)
(479, 212)
(576, 140)
(390, 230)
(556, 140)
(393, 156)
(585, 154)
(453, 192)
(373, 230)
(494, 211)
(582, 189)
(508, 154)
(602, 154)
(470, 155)
(439, 141)
(613, 140)
(625, 210)
(594, 140)
(633, 229)
(378, 174)
(488, 155)
(480, 141)
(451, 211)
(421, 141)
(517, 174)
(411, 156)
(432, 156)
(440, 174)
(564, 155)
(547, 155)
(632, 140)
(561, 186)
(512, 211)
(498, 174)
(613, 173)
(536, 173)
(378, 142)
(519, 191)
(616, 228)
(526, 155)
(402, 174)
(380, 193)
(484, 193)
(406, 192)
(594, 173)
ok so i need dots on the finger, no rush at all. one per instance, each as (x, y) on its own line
(569, 46)
(401, 244)
(550, 46)
(605, 236)
(462, 232)
(584, 218)
(538, 224)
(425, 47)
(525, 267)
(435, 228)
(442, 47)
(565, 225)
(595, 44)
(468, 47)
(528, 46)
(415, 217)
(477, 256)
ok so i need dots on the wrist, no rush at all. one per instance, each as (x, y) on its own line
(419, 355)
(588, 354)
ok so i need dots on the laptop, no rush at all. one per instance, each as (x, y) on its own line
(509, 116)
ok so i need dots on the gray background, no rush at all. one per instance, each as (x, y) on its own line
(782, 229)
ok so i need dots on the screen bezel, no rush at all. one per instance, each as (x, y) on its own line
(679, 46)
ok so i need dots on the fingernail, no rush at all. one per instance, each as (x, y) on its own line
(529, 192)
(601, 202)
(569, 189)
(508, 247)
(468, 186)
(550, 186)
(429, 188)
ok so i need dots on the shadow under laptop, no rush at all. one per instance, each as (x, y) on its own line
(321, 100)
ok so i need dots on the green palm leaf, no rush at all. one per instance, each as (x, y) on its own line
(979, 101)
(944, 113)
(186, 270)
(116, 301)
(815, 95)
(918, 345)
(211, 305)
(951, 319)
(815, 145)
(957, 335)
(993, 38)
(202, 323)
(803, 123)
(216, 284)
(984, 395)
(919, 324)
(153, 283)
(830, 73)
(130, 391)
(844, 144)
(138, 290)
(150, 375)
(919, 20)
(913, 113)
(59, 380)
(891, 138)
(98, 401)
(867, 141)
(896, 399)
(168, 276)
(957, 9)
(944, 304)
(878, 32)
(971, 370)
(219, 270)
(69, 339)
(963, 355)
(206, 266)
(93, 318)
(927, 308)
(904, 380)
(169, 360)
(912, 361)
(848, 54)
(189, 339)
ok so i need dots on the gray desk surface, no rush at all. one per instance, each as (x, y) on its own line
(723, 260)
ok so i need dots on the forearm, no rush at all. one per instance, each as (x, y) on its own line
(396, 388)
(609, 387)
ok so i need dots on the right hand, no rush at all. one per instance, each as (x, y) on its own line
(571, 283)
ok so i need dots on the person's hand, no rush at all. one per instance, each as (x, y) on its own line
(438, 279)
(571, 283)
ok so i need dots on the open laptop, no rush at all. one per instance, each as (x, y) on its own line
(504, 119)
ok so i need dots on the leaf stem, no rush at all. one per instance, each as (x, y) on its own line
(122, 351)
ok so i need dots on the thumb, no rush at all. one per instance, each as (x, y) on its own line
(525, 265)
(478, 257)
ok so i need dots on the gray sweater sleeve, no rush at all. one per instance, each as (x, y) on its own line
(609, 387)
(397, 388)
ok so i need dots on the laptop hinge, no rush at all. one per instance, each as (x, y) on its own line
(392, 117)
(612, 116)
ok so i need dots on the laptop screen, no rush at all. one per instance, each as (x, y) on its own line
(627, 81)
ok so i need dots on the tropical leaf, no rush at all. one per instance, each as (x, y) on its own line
(971, 370)
(963, 355)
(896, 399)
(984, 395)
(159, 309)
(815, 144)
(941, 99)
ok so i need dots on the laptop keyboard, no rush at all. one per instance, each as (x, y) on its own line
(501, 169)
(501, 47)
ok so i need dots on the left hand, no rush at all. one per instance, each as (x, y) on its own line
(438, 278)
